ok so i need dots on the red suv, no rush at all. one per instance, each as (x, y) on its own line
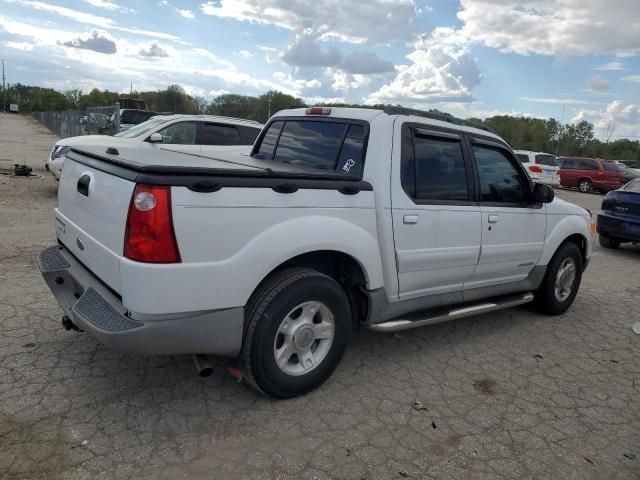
(587, 174)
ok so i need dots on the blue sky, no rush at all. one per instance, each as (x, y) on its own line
(468, 57)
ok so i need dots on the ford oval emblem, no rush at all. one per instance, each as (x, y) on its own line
(80, 244)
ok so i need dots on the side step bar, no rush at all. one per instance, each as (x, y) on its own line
(402, 324)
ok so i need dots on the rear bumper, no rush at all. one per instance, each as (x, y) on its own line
(625, 228)
(551, 181)
(99, 312)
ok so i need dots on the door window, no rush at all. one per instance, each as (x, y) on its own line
(587, 165)
(500, 181)
(216, 134)
(181, 133)
(434, 169)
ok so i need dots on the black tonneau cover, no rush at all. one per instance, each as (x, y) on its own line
(205, 173)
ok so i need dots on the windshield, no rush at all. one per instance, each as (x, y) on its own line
(142, 128)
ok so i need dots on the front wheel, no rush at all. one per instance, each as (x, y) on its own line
(561, 282)
(298, 325)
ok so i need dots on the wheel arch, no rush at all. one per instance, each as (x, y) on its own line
(342, 267)
(572, 228)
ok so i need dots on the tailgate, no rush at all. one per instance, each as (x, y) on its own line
(91, 218)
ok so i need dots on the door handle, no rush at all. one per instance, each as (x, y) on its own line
(493, 218)
(83, 185)
(410, 219)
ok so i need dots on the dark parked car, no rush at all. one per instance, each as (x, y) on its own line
(587, 174)
(619, 220)
(628, 174)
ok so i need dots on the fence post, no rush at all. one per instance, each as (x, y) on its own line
(116, 112)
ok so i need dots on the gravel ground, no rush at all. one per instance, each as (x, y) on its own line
(506, 395)
(24, 140)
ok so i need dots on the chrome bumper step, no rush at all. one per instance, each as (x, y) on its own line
(486, 307)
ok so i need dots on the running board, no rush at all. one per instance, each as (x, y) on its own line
(398, 325)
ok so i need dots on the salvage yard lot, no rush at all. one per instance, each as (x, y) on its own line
(510, 394)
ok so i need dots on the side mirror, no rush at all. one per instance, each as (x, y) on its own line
(155, 138)
(543, 193)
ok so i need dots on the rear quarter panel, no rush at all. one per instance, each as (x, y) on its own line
(232, 239)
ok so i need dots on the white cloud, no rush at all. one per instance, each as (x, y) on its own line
(90, 19)
(214, 58)
(186, 13)
(105, 4)
(623, 118)
(305, 52)
(552, 27)
(153, 50)
(345, 82)
(555, 101)
(316, 100)
(96, 40)
(610, 66)
(632, 78)
(245, 53)
(438, 72)
(598, 84)
(372, 21)
(296, 84)
(22, 46)
(271, 55)
(217, 93)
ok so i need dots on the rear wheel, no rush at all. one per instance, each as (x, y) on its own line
(298, 327)
(609, 242)
(561, 282)
(585, 185)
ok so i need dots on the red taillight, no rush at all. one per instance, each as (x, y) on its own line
(149, 236)
(535, 169)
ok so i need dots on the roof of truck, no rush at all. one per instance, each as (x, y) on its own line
(368, 114)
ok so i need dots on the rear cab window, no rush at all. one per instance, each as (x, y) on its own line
(548, 160)
(332, 145)
(523, 157)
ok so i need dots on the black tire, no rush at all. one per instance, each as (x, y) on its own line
(585, 185)
(269, 305)
(546, 300)
(609, 242)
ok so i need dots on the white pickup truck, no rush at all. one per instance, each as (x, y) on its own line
(340, 218)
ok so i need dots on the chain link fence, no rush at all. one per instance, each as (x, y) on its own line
(27, 139)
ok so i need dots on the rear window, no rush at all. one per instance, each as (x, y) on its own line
(523, 157)
(549, 160)
(335, 146)
(612, 167)
(134, 117)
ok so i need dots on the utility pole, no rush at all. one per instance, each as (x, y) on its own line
(561, 123)
(4, 90)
